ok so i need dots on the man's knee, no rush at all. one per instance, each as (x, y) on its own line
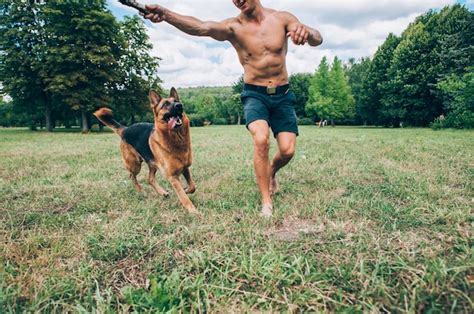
(287, 151)
(262, 144)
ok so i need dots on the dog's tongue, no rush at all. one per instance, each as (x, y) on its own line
(172, 122)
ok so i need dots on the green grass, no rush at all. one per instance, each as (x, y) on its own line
(367, 220)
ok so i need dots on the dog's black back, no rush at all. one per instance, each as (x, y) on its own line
(137, 135)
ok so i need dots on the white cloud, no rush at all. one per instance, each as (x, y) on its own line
(349, 28)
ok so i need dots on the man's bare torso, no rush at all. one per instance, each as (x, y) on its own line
(262, 47)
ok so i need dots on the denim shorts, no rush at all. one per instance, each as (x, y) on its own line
(277, 109)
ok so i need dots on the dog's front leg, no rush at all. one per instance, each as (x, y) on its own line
(152, 181)
(183, 197)
(191, 186)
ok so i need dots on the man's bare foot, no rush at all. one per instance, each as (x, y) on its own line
(274, 186)
(266, 211)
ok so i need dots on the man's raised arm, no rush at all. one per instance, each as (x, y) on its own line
(190, 25)
(301, 34)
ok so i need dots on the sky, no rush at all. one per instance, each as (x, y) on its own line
(350, 28)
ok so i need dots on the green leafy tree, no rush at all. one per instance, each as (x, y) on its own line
(375, 84)
(408, 97)
(80, 67)
(300, 83)
(330, 96)
(22, 37)
(461, 105)
(320, 103)
(344, 102)
(206, 105)
(357, 72)
(137, 70)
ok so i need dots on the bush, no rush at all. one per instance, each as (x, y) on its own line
(462, 119)
(196, 119)
(220, 121)
(305, 121)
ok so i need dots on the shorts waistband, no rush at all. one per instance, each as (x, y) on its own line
(268, 90)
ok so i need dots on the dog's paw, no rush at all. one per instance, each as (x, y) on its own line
(190, 190)
(194, 211)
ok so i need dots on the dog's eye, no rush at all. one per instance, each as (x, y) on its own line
(165, 105)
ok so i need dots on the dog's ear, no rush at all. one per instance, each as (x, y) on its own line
(154, 97)
(174, 94)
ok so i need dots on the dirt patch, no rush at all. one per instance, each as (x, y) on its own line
(129, 273)
(294, 228)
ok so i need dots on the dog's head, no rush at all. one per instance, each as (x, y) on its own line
(168, 112)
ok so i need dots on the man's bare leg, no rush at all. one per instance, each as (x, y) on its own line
(260, 134)
(286, 150)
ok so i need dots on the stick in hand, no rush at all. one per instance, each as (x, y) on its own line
(134, 4)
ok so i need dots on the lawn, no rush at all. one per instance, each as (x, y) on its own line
(367, 219)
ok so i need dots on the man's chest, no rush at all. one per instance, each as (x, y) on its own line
(267, 36)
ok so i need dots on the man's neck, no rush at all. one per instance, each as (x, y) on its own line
(257, 15)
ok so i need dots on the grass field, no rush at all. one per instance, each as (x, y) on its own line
(367, 220)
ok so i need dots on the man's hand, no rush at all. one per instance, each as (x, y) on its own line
(157, 13)
(299, 34)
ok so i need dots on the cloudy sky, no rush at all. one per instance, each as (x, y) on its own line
(350, 28)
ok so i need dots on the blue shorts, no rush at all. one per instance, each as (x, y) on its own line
(277, 109)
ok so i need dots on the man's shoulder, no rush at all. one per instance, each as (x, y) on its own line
(231, 21)
(282, 14)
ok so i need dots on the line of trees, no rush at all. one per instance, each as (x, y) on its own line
(61, 60)
(423, 76)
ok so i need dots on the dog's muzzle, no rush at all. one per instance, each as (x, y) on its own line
(174, 118)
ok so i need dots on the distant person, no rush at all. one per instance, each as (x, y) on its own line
(259, 35)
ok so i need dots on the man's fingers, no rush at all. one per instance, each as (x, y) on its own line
(291, 35)
(155, 18)
(299, 29)
(299, 36)
(306, 37)
(152, 7)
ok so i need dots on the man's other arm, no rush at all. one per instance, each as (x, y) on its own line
(299, 33)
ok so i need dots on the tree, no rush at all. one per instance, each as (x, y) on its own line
(461, 106)
(82, 53)
(207, 106)
(357, 73)
(299, 84)
(234, 103)
(330, 96)
(320, 103)
(374, 86)
(344, 102)
(137, 70)
(408, 95)
(21, 38)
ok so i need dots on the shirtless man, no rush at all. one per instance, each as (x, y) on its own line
(259, 35)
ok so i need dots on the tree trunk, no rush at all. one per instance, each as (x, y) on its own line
(132, 119)
(47, 117)
(332, 123)
(84, 122)
(238, 119)
(32, 124)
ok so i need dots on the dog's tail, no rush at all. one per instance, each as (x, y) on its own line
(105, 116)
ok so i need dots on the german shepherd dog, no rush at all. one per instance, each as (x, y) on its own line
(164, 145)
